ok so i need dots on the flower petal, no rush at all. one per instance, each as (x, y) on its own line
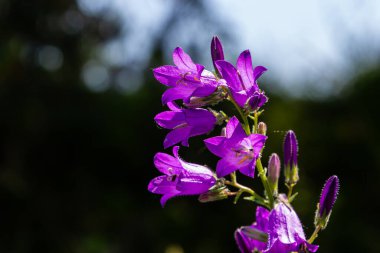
(176, 136)
(234, 131)
(170, 119)
(230, 74)
(245, 68)
(167, 75)
(224, 167)
(162, 185)
(167, 164)
(215, 145)
(192, 184)
(183, 61)
(258, 71)
(180, 92)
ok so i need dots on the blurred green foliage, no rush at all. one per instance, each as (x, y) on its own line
(75, 164)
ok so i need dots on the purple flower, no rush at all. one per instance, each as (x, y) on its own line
(243, 80)
(180, 177)
(244, 235)
(285, 231)
(185, 123)
(186, 79)
(290, 158)
(237, 150)
(327, 201)
(216, 51)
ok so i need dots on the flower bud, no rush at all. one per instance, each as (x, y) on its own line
(257, 100)
(262, 128)
(214, 194)
(290, 158)
(274, 166)
(216, 52)
(326, 201)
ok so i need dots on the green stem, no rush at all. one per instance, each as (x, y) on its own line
(265, 182)
(256, 120)
(243, 188)
(290, 190)
(243, 117)
(314, 235)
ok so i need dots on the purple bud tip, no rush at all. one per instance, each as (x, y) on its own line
(216, 50)
(328, 195)
(290, 149)
(274, 166)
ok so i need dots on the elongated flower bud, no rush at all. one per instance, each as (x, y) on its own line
(214, 194)
(290, 158)
(326, 201)
(274, 166)
(216, 52)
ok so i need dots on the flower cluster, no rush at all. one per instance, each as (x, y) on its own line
(192, 91)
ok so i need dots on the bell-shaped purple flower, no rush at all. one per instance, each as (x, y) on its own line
(186, 79)
(185, 123)
(254, 237)
(180, 178)
(327, 201)
(285, 231)
(216, 51)
(241, 81)
(290, 158)
(237, 150)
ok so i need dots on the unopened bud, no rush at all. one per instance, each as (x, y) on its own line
(290, 158)
(216, 52)
(274, 166)
(262, 128)
(223, 132)
(326, 201)
(214, 194)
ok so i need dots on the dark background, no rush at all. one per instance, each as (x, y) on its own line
(75, 162)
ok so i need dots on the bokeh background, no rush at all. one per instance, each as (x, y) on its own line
(77, 136)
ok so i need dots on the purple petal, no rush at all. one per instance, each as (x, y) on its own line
(215, 145)
(170, 119)
(243, 242)
(258, 71)
(183, 61)
(262, 218)
(176, 136)
(193, 184)
(167, 75)
(179, 92)
(249, 169)
(162, 185)
(234, 129)
(245, 68)
(168, 196)
(167, 164)
(258, 142)
(240, 97)
(230, 74)
(173, 106)
(201, 120)
(224, 167)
